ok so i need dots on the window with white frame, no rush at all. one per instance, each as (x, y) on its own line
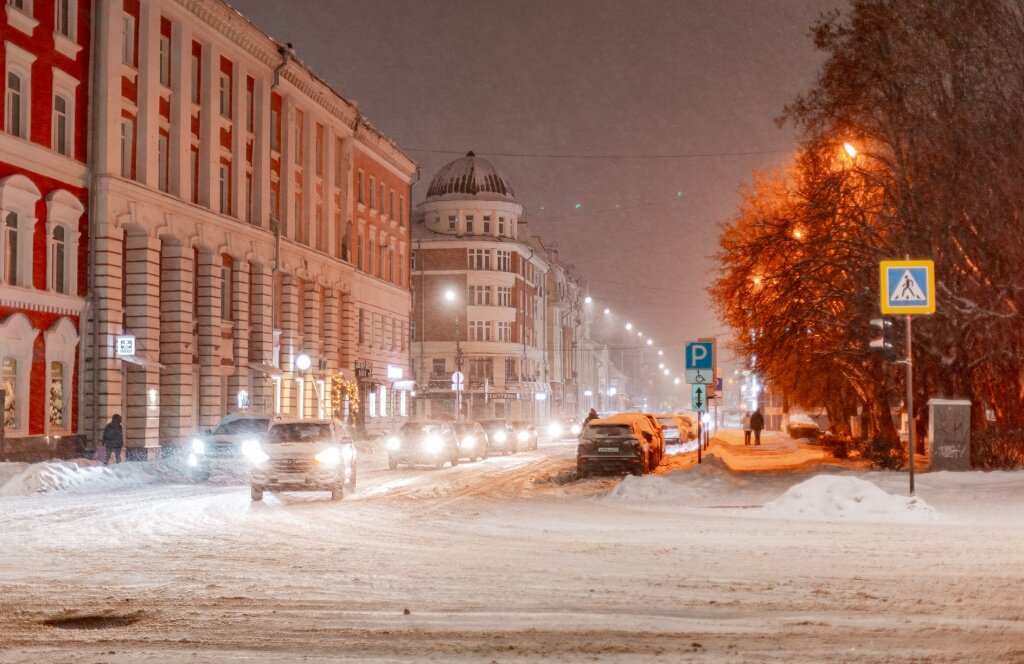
(480, 295)
(17, 337)
(18, 198)
(224, 179)
(64, 18)
(382, 397)
(63, 212)
(412, 330)
(453, 222)
(225, 94)
(61, 126)
(437, 368)
(373, 192)
(196, 96)
(504, 260)
(127, 146)
(9, 379)
(128, 40)
(469, 223)
(501, 226)
(480, 330)
(18, 91)
(56, 409)
(162, 163)
(10, 246)
(504, 296)
(479, 259)
(487, 225)
(24, 6)
(165, 61)
(504, 331)
(58, 260)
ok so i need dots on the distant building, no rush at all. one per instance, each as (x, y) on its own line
(44, 198)
(245, 215)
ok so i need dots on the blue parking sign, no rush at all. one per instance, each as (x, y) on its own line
(700, 355)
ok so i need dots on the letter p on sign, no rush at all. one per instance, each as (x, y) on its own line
(698, 355)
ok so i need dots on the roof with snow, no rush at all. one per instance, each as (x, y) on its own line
(470, 177)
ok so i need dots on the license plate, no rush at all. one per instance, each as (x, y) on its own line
(608, 449)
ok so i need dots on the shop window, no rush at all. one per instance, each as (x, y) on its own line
(9, 369)
(57, 398)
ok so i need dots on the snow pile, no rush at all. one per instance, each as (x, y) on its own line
(800, 418)
(9, 469)
(834, 496)
(86, 475)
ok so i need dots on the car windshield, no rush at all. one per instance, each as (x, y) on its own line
(520, 425)
(464, 427)
(299, 432)
(243, 426)
(418, 428)
(609, 430)
(668, 421)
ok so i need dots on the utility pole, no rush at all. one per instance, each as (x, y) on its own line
(458, 368)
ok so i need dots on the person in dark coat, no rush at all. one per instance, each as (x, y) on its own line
(113, 439)
(592, 415)
(757, 423)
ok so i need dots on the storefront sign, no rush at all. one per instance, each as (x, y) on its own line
(394, 373)
(503, 395)
(364, 368)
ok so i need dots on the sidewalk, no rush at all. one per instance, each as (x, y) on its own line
(777, 451)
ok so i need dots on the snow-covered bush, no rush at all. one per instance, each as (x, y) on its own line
(997, 450)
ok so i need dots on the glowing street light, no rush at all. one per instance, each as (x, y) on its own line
(588, 299)
(449, 295)
(607, 312)
(850, 150)
(660, 353)
(667, 372)
(650, 342)
(629, 326)
(661, 365)
(676, 381)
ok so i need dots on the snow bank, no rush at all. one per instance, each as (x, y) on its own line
(834, 496)
(698, 483)
(86, 475)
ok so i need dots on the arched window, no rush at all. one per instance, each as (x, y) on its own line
(58, 260)
(10, 266)
(9, 379)
(58, 400)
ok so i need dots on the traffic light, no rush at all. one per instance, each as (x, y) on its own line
(882, 338)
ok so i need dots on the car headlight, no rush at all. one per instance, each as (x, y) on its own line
(575, 429)
(522, 436)
(433, 444)
(253, 452)
(193, 460)
(555, 429)
(329, 457)
(468, 441)
(348, 452)
(198, 446)
(500, 436)
(393, 443)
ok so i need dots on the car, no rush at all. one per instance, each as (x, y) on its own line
(472, 440)
(526, 435)
(424, 444)
(221, 447)
(501, 438)
(677, 429)
(302, 455)
(659, 434)
(563, 429)
(615, 443)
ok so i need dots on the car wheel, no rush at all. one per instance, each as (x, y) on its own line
(256, 493)
(581, 472)
(350, 486)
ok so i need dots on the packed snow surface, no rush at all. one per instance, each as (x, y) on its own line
(832, 496)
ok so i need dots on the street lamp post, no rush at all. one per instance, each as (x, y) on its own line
(450, 296)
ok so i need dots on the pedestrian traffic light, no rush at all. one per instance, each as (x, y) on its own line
(881, 338)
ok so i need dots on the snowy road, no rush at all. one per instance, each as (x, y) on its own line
(511, 560)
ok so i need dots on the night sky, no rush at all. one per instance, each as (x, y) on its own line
(563, 97)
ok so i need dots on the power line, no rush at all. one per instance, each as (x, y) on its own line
(682, 155)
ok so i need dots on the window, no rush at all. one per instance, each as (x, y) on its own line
(298, 144)
(504, 260)
(250, 109)
(58, 260)
(359, 250)
(481, 368)
(225, 289)
(248, 196)
(373, 188)
(10, 266)
(10, 382)
(504, 331)
(480, 330)
(479, 259)
(412, 330)
(453, 222)
(487, 225)
(501, 226)
(320, 150)
(23, 5)
(194, 173)
(225, 94)
(165, 61)
(438, 369)
(196, 65)
(391, 264)
(60, 126)
(391, 203)
(225, 189)
(401, 210)
(359, 188)
(162, 164)
(128, 40)
(504, 296)
(510, 369)
(16, 118)
(275, 129)
(380, 200)
(63, 20)
(469, 223)
(480, 295)
(56, 394)
(128, 147)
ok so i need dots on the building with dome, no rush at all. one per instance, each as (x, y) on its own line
(482, 307)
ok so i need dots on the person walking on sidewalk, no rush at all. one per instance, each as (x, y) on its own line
(757, 423)
(746, 428)
(113, 439)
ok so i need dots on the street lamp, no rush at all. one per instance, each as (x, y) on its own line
(850, 150)
(451, 297)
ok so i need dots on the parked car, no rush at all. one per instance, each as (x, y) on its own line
(659, 438)
(615, 443)
(221, 447)
(677, 429)
(302, 455)
(526, 435)
(501, 438)
(472, 440)
(423, 443)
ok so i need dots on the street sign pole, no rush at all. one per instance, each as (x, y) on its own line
(910, 402)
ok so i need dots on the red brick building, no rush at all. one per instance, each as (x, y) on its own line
(44, 183)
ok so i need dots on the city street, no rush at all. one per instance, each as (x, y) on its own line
(513, 560)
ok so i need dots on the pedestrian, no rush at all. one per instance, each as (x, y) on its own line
(113, 439)
(757, 423)
(592, 415)
(746, 428)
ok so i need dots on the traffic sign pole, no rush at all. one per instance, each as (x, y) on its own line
(910, 402)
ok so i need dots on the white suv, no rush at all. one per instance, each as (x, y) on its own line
(302, 455)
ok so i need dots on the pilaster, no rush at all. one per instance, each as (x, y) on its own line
(177, 394)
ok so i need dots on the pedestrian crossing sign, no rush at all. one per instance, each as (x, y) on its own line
(908, 287)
